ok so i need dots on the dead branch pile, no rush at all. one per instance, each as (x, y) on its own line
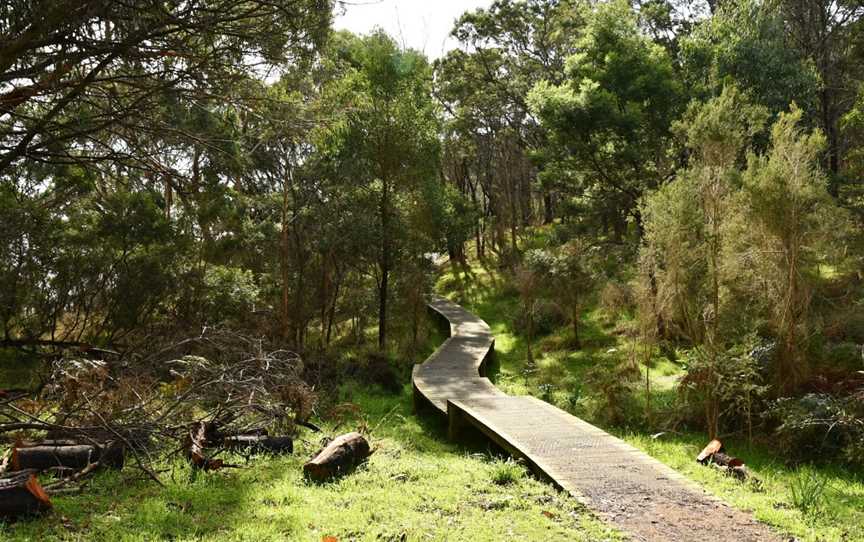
(197, 398)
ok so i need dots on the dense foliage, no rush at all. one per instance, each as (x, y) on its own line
(171, 167)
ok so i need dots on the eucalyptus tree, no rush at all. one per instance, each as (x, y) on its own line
(385, 148)
(610, 120)
(745, 43)
(823, 33)
(118, 123)
(506, 49)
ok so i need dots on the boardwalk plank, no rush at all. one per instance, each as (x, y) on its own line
(628, 488)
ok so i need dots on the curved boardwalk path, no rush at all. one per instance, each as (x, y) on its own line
(628, 488)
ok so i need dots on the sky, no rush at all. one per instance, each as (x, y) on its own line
(417, 24)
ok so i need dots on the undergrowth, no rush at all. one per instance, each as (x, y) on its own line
(817, 503)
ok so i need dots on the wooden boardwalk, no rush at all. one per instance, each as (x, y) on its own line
(628, 488)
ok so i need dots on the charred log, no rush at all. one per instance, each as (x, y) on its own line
(75, 457)
(21, 494)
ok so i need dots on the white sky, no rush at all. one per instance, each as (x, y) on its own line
(417, 24)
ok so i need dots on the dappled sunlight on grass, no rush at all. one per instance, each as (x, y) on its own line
(414, 487)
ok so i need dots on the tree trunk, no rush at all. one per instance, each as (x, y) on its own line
(72, 457)
(548, 210)
(338, 457)
(260, 444)
(284, 257)
(383, 287)
(577, 343)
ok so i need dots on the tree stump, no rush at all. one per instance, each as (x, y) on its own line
(340, 456)
(21, 494)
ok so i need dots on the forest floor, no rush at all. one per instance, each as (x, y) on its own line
(415, 487)
(419, 487)
(561, 375)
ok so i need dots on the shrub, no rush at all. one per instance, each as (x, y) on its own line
(846, 356)
(612, 382)
(231, 293)
(731, 390)
(548, 317)
(820, 426)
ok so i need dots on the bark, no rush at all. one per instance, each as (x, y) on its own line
(384, 285)
(339, 457)
(260, 444)
(548, 209)
(76, 457)
(21, 494)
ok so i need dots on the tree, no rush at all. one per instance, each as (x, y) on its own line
(121, 132)
(822, 31)
(387, 145)
(745, 44)
(507, 48)
(610, 120)
(687, 224)
(790, 215)
(74, 79)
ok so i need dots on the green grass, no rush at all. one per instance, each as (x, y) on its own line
(415, 487)
(560, 378)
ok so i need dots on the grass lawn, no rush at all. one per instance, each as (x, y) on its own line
(416, 486)
(560, 377)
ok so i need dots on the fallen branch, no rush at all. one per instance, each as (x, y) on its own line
(259, 443)
(56, 486)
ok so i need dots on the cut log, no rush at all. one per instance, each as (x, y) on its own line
(340, 456)
(259, 444)
(715, 455)
(730, 465)
(76, 457)
(713, 447)
(21, 494)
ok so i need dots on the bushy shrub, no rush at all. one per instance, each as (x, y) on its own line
(845, 356)
(731, 389)
(820, 426)
(612, 384)
(846, 325)
(231, 293)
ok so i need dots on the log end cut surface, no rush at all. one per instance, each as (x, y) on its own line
(625, 486)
